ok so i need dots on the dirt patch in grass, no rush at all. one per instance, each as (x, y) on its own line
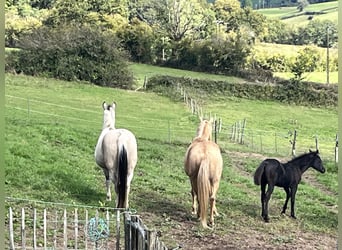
(186, 234)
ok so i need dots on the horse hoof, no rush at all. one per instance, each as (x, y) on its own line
(293, 217)
(266, 219)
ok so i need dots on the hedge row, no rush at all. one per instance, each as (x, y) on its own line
(291, 92)
(72, 53)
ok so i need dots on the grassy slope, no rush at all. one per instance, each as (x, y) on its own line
(50, 138)
(329, 7)
(277, 13)
(144, 70)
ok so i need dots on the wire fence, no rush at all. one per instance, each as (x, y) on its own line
(32, 224)
(279, 143)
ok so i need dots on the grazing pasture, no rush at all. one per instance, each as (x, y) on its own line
(52, 129)
(292, 16)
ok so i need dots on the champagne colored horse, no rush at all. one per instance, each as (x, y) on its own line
(203, 164)
(116, 153)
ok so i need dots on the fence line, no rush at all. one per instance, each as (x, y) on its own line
(172, 133)
(250, 138)
(51, 104)
(41, 225)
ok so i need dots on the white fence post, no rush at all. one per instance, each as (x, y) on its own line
(11, 233)
(23, 233)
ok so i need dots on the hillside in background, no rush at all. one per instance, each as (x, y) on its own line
(291, 15)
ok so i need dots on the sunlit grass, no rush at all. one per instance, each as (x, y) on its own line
(52, 128)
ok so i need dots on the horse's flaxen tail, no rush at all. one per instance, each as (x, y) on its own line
(122, 176)
(203, 186)
(258, 173)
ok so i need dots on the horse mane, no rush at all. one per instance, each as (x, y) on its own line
(300, 157)
(204, 130)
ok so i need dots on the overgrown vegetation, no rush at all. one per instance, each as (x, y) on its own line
(73, 53)
(292, 92)
(209, 37)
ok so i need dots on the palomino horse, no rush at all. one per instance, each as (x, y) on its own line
(116, 153)
(287, 175)
(203, 164)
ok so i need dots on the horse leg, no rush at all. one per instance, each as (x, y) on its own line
(108, 182)
(267, 199)
(194, 197)
(129, 180)
(287, 190)
(213, 210)
(293, 196)
(262, 198)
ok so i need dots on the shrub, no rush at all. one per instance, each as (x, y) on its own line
(139, 40)
(306, 61)
(75, 53)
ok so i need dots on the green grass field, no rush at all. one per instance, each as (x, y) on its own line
(330, 9)
(52, 128)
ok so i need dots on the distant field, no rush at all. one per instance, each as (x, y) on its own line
(330, 8)
(145, 70)
(141, 71)
(320, 77)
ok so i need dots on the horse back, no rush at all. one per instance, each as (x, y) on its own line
(200, 151)
(281, 175)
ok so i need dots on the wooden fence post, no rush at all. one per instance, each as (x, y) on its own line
(215, 131)
(65, 230)
(76, 228)
(128, 232)
(145, 82)
(169, 130)
(45, 228)
(11, 233)
(294, 143)
(55, 230)
(23, 232)
(243, 131)
(336, 149)
(34, 228)
(118, 229)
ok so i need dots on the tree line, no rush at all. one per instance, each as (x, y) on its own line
(87, 39)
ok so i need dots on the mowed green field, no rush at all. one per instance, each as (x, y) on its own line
(52, 128)
(291, 15)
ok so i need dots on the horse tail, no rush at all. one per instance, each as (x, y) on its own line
(122, 176)
(258, 173)
(203, 186)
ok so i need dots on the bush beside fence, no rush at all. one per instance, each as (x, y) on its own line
(292, 92)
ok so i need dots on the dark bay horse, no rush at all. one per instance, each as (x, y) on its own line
(203, 164)
(116, 153)
(286, 175)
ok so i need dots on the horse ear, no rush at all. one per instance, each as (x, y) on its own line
(114, 105)
(201, 118)
(104, 105)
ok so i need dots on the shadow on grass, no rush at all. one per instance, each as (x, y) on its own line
(75, 188)
(161, 206)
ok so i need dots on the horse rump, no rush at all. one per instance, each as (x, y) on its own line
(258, 173)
